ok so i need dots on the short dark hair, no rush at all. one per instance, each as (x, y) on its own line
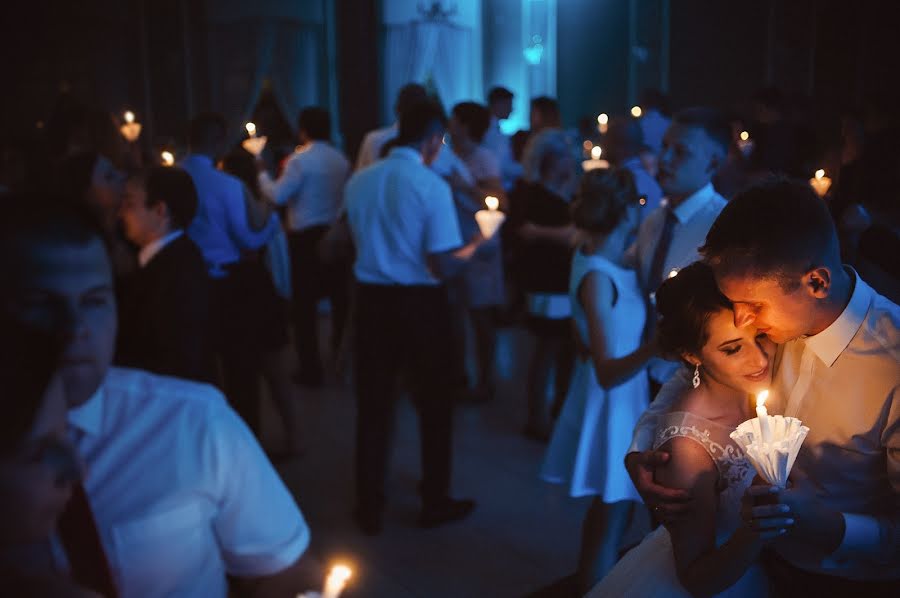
(655, 99)
(713, 122)
(173, 187)
(207, 130)
(419, 121)
(602, 199)
(45, 218)
(475, 117)
(547, 106)
(684, 304)
(409, 94)
(775, 229)
(315, 122)
(497, 94)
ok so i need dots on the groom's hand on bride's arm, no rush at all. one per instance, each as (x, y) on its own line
(667, 504)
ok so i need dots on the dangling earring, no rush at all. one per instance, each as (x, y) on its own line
(696, 380)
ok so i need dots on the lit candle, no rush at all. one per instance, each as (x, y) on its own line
(763, 417)
(336, 580)
(595, 161)
(130, 129)
(636, 111)
(820, 183)
(489, 220)
(673, 272)
(602, 123)
(745, 144)
(596, 152)
(168, 158)
(251, 129)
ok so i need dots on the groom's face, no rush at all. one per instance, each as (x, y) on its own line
(781, 313)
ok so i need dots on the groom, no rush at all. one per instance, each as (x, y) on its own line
(775, 254)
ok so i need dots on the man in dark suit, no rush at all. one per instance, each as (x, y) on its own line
(164, 316)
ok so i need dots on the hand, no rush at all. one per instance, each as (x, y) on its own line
(817, 524)
(667, 504)
(769, 520)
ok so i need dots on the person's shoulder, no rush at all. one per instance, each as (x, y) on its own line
(152, 396)
(882, 325)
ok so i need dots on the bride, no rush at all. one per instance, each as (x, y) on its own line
(709, 551)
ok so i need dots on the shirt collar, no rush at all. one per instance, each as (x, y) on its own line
(407, 153)
(831, 342)
(693, 203)
(148, 252)
(88, 417)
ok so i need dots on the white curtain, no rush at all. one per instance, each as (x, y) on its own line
(428, 52)
(244, 53)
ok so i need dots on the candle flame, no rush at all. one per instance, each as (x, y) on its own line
(820, 174)
(761, 398)
(602, 119)
(251, 129)
(636, 111)
(129, 116)
(643, 201)
(673, 272)
(168, 158)
(745, 135)
(340, 574)
(596, 152)
(491, 202)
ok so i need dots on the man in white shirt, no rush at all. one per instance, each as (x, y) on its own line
(312, 187)
(370, 150)
(694, 147)
(180, 490)
(404, 226)
(164, 324)
(776, 256)
(500, 104)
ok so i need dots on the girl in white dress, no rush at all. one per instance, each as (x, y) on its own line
(609, 389)
(709, 551)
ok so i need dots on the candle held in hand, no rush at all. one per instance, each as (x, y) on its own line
(168, 159)
(130, 129)
(596, 152)
(489, 220)
(129, 116)
(603, 123)
(820, 183)
(251, 129)
(763, 415)
(336, 580)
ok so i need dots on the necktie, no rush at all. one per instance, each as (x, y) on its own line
(78, 532)
(659, 254)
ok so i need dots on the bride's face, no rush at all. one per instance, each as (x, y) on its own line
(740, 358)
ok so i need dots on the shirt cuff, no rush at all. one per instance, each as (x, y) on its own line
(861, 539)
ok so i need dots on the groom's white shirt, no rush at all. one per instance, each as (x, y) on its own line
(844, 384)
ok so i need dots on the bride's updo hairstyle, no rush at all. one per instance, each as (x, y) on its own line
(684, 304)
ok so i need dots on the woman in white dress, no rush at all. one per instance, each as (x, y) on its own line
(710, 551)
(609, 388)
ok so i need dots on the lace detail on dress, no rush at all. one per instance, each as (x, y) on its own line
(733, 466)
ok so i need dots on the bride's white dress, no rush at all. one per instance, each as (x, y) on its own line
(648, 570)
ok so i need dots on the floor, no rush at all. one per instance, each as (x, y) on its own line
(522, 536)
